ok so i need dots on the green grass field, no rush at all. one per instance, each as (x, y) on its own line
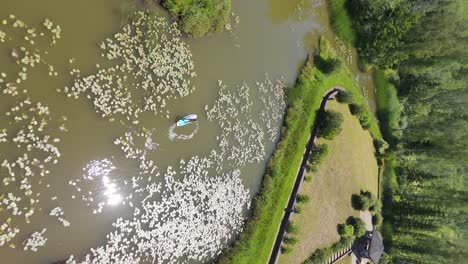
(257, 239)
(349, 167)
(341, 21)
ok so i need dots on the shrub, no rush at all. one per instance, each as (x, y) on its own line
(376, 206)
(327, 66)
(318, 153)
(356, 109)
(365, 201)
(329, 124)
(320, 256)
(377, 219)
(311, 168)
(380, 146)
(297, 209)
(286, 250)
(200, 17)
(344, 96)
(345, 230)
(292, 228)
(358, 225)
(308, 178)
(303, 198)
(290, 240)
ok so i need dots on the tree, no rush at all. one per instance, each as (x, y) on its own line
(292, 228)
(329, 124)
(303, 198)
(377, 219)
(290, 240)
(344, 96)
(345, 230)
(356, 109)
(358, 225)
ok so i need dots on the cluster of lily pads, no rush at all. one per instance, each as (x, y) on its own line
(24, 50)
(58, 212)
(242, 139)
(34, 134)
(35, 241)
(149, 66)
(188, 219)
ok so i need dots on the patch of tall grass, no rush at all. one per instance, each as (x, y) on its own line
(388, 107)
(341, 21)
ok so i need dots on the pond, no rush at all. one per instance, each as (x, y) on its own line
(88, 148)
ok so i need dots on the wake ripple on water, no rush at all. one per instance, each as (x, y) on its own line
(173, 135)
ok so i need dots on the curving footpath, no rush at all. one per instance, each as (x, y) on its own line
(299, 178)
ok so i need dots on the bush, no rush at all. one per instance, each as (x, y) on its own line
(329, 124)
(292, 228)
(308, 178)
(200, 17)
(320, 256)
(344, 96)
(286, 250)
(358, 225)
(327, 66)
(345, 230)
(376, 206)
(318, 153)
(377, 219)
(380, 146)
(302, 198)
(356, 109)
(365, 201)
(290, 240)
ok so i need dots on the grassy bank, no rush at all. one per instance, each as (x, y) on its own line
(341, 21)
(256, 241)
(349, 167)
(388, 107)
(200, 17)
(388, 112)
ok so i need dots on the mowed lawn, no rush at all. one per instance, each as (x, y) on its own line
(349, 167)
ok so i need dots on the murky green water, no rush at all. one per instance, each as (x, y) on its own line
(273, 37)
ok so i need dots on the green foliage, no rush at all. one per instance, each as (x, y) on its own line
(286, 250)
(356, 109)
(307, 178)
(341, 21)
(327, 66)
(380, 147)
(358, 225)
(344, 96)
(329, 124)
(292, 228)
(290, 240)
(377, 219)
(345, 230)
(388, 108)
(303, 198)
(364, 201)
(257, 237)
(318, 153)
(200, 17)
(321, 256)
(421, 106)
(380, 27)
